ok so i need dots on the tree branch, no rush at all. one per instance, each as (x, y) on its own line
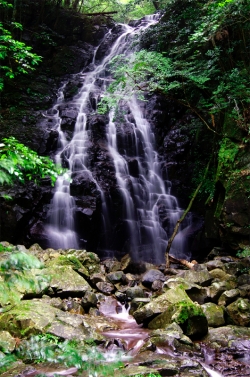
(176, 228)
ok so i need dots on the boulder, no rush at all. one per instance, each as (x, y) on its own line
(214, 314)
(104, 287)
(228, 297)
(7, 342)
(215, 263)
(116, 277)
(171, 337)
(135, 292)
(150, 276)
(65, 281)
(243, 279)
(159, 304)
(201, 277)
(35, 316)
(89, 300)
(194, 291)
(174, 306)
(137, 303)
(239, 312)
(97, 278)
(89, 260)
(28, 317)
(218, 287)
(111, 265)
(69, 260)
(218, 273)
(223, 336)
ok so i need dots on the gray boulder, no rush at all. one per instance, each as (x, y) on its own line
(150, 276)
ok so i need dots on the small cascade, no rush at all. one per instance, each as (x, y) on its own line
(131, 334)
(148, 211)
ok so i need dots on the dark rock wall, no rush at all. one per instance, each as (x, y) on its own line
(66, 41)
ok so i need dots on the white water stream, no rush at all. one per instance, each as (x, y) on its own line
(149, 210)
(133, 335)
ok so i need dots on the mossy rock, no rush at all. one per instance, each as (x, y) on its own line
(7, 342)
(189, 316)
(28, 317)
(64, 280)
(239, 312)
(70, 261)
(88, 259)
(224, 336)
(160, 304)
(214, 314)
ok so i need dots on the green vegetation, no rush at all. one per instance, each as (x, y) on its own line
(13, 270)
(244, 253)
(15, 56)
(18, 162)
(197, 56)
(185, 310)
(49, 348)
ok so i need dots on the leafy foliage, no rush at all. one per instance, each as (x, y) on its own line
(13, 268)
(202, 72)
(198, 57)
(245, 253)
(18, 162)
(15, 56)
(49, 348)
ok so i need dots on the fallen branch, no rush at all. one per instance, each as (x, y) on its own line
(184, 262)
(178, 223)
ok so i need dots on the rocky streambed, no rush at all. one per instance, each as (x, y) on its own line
(172, 321)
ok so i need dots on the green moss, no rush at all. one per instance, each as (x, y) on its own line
(68, 260)
(185, 310)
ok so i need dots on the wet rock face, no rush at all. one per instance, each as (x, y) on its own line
(104, 48)
(72, 40)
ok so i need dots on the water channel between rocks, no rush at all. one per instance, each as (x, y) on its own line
(125, 344)
(132, 335)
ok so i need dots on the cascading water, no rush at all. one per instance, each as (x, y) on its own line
(149, 212)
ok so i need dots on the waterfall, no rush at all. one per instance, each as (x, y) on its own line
(147, 212)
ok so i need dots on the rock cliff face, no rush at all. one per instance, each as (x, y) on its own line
(67, 42)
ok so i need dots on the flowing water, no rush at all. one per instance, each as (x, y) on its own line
(149, 211)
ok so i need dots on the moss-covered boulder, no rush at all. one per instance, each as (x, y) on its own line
(228, 297)
(214, 314)
(89, 260)
(201, 277)
(174, 306)
(194, 291)
(70, 261)
(31, 317)
(7, 342)
(28, 317)
(239, 312)
(65, 281)
(224, 336)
